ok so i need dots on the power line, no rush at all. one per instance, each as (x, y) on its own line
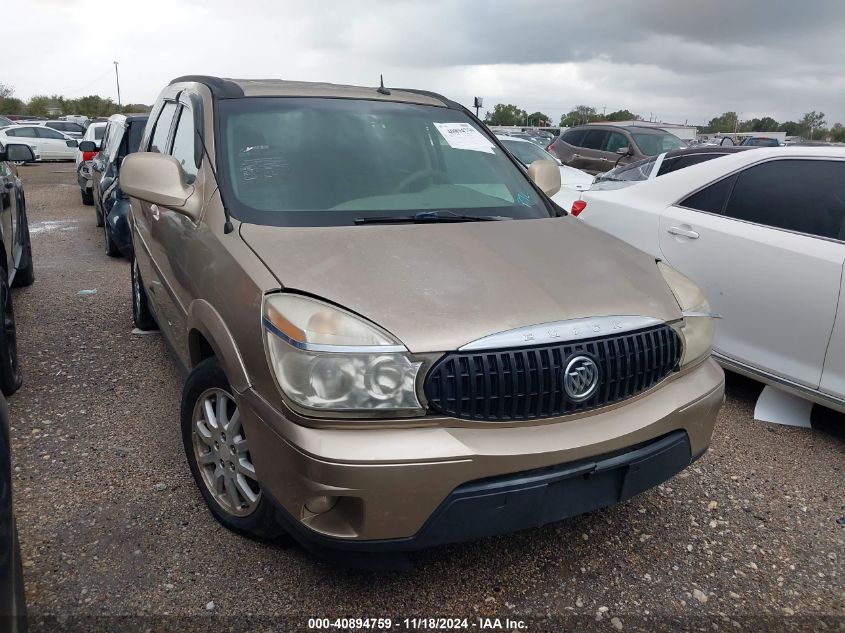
(93, 81)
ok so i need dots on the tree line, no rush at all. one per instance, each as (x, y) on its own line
(811, 126)
(44, 106)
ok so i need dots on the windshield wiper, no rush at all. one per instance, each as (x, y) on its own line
(424, 217)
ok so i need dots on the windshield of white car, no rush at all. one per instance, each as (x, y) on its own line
(651, 143)
(327, 162)
(526, 153)
(632, 172)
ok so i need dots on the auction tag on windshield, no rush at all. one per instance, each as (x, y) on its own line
(464, 136)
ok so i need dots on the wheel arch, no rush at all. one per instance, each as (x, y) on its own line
(4, 261)
(208, 336)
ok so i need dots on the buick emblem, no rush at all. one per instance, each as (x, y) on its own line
(580, 378)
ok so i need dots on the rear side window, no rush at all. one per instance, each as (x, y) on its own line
(711, 199)
(136, 133)
(807, 196)
(574, 137)
(98, 132)
(45, 132)
(26, 132)
(158, 143)
(615, 141)
(680, 162)
(594, 139)
(56, 125)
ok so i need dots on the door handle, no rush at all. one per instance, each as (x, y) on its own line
(677, 230)
(157, 214)
(576, 156)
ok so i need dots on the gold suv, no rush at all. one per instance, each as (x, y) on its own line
(392, 338)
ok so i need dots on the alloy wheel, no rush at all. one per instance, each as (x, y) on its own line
(222, 453)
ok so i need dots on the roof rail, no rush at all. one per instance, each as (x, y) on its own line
(220, 88)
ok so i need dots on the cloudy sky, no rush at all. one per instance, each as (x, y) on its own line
(675, 60)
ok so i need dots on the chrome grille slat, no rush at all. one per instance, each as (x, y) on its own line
(525, 383)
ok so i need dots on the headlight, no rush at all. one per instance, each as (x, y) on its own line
(699, 324)
(327, 359)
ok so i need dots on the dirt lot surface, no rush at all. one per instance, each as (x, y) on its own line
(111, 524)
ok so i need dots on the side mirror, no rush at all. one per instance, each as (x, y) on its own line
(88, 146)
(18, 153)
(546, 175)
(624, 151)
(159, 179)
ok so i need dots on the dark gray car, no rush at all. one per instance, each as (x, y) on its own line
(596, 148)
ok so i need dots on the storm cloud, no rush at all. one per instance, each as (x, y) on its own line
(675, 60)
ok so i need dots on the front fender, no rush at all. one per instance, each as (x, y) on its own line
(203, 319)
(118, 220)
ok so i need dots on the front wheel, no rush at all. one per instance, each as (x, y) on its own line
(87, 197)
(218, 454)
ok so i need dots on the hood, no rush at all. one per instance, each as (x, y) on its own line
(437, 287)
(569, 176)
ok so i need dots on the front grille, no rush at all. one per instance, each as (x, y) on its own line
(526, 383)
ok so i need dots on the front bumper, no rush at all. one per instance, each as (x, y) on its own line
(83, 175)
(410, 488)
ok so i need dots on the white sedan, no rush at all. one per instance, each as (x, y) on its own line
(763, 233)
(51, 145)
(572, 180)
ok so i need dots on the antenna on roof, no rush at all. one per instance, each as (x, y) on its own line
(381, 89)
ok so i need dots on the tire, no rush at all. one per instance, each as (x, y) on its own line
(111, 248)
(141, 314)
(99, 215)
(10, 373)
(253, 517)
(87, 197)
(25, 275)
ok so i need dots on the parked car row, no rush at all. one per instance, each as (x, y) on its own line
(16, 269)
(98, 171)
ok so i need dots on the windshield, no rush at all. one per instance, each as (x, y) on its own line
(651, 144)
(761, 142)
(526, 153)
(632, 172)
(319, 162)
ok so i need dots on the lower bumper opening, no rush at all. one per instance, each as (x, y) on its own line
(525, 500)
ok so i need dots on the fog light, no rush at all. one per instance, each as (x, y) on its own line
(319, 505)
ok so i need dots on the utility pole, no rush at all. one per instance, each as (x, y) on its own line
(117, 80)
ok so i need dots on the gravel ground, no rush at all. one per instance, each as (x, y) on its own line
(111, 523)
